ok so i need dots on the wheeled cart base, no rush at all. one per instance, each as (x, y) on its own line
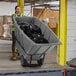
(26, 63)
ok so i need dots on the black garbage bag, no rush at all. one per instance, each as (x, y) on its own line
(29, 29)
(38, 38)
(32, 28)
(35, 38)
(26, 29)
(33, 32)
(35, 29)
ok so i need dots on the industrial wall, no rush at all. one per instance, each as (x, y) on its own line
(71, 30)
(7, 8)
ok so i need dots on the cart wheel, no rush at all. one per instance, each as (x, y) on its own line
(23, 62)
(40, 62)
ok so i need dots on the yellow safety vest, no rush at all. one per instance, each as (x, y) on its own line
(13, 27)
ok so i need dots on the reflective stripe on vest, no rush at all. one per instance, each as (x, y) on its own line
(17, 15)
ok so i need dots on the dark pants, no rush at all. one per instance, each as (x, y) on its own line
(13, 42)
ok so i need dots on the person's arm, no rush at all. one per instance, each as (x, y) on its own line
(12, 18)
(13, 27)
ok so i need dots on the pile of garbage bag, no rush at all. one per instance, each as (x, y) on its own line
(33, 32)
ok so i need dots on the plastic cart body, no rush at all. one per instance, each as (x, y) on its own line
(30, 50)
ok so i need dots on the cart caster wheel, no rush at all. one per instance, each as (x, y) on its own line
(40, 62)
(23, 62)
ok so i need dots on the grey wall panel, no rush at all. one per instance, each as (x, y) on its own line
(71, 30)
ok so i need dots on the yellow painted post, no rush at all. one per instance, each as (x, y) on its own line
(18, 2)
(63, 31)
(22, 6)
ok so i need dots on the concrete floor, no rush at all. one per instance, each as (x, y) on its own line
(7, 65)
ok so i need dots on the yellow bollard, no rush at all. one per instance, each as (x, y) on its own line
(22, 6)
(18, 2)
(62, 33)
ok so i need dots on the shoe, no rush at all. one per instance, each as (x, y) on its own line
(14, 57)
